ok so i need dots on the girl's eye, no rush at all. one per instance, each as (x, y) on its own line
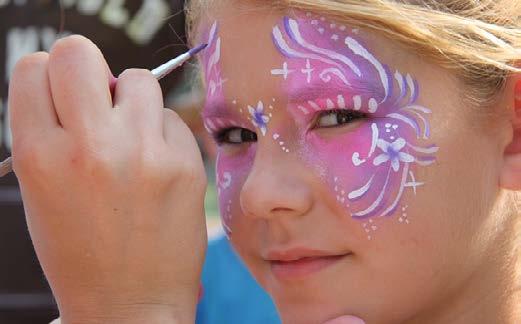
(337, 117)
(235, 136)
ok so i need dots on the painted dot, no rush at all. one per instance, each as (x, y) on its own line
(275, 136)
(392, 137)
(355, 31)
(343, 192)
(364, 224)
(374, 228)
(336, 179)
(369, 237)
(342, 28)
(387, 125)
(400, 220)
(323, 18)
(287, 150)
(281, 143)
(273, 99)
(370, 221)
(321, 30)
(332, 26)
(314, 22)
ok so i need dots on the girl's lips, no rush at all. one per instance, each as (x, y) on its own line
(298, 269)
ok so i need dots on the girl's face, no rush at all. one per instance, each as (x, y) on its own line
(350, 173)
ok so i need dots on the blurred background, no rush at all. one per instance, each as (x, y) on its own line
(130, 33)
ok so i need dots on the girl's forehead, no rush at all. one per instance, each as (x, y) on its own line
(247, 53)
(262, 53)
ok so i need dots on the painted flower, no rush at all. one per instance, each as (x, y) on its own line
(259, 119)
(391, 152)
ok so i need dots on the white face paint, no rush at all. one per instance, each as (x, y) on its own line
(317, 51)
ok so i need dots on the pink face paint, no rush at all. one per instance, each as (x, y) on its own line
(231, 171)
(327, 68)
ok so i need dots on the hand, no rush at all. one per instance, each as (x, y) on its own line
(113, 189)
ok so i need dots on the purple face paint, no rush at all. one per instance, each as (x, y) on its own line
(327, 68)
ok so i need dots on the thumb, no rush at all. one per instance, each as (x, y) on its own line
(346, 320)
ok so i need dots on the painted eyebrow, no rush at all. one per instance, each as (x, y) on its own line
(320, 90)
(221, 109)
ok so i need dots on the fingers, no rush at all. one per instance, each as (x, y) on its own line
(79, 80)
(138, 95)
(31, 108)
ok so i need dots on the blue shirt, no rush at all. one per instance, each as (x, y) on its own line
(231, 295)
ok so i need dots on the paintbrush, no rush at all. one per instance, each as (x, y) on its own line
(7, 165)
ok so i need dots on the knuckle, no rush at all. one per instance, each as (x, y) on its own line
(137, 74)
(65, 53)
(68, 44)
(171, 113)
(26, 65)
(91, 160)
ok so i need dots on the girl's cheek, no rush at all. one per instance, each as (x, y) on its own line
(231, 173)
(367, 170)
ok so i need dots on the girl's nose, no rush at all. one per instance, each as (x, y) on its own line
(276, 186)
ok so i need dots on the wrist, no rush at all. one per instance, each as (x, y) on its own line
(130, 314)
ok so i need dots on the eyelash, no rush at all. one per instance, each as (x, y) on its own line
(348, 116)
(220, 136)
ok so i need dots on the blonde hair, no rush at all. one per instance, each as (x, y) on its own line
(478, 39)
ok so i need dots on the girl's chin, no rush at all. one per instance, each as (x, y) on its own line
(307, 316)
(312, 311)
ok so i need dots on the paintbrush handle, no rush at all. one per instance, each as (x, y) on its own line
(6, 166)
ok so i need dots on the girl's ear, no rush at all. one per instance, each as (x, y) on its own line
(510, 177)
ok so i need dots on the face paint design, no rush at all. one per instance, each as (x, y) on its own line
(215, 100)
(327, 68)
(259, 117)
